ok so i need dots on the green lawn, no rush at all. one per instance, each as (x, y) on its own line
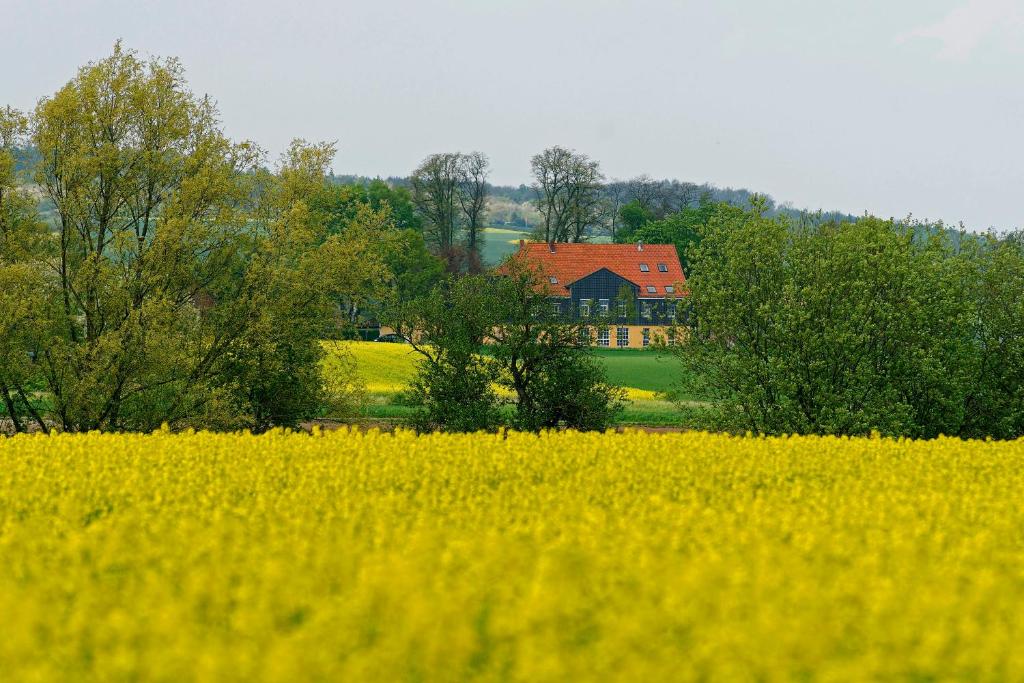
(642, 369)
(501, 242)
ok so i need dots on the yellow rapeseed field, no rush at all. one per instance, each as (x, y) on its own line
(559, 557)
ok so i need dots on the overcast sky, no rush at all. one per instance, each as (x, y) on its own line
(915, 106)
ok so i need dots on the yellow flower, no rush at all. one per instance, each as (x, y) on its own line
(560, 556)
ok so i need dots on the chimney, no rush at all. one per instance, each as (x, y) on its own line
(551, 247)
(522, 245)
(639, 246)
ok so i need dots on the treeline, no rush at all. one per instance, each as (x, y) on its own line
(669, 195)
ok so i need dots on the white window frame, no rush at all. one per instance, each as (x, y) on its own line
(604, 337)
(621, 337)
(647, 336)
(584, 308)
(602, 306)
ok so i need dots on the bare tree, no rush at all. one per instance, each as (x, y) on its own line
(472, 195)
(435, 192)
(646, 192)
(568, 187)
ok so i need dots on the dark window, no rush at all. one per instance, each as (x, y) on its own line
(602, 305)
(662, 267)
(647, 336)
(644, 268)
(584, 308)
(651, 289)
(603, 337)
(622, 309)
(670, 289)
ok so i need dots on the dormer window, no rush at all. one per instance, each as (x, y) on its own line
(670, 289)
(662, 268)
(651, 289)
(644, 268)
(554, 280)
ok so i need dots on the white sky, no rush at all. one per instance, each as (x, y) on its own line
(887, 106)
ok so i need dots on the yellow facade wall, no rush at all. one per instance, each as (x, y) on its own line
(634, 336)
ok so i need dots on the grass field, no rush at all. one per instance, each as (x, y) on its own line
(559, 557)
(500, 243)
(647, 376)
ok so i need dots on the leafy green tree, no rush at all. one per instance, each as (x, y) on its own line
(24, 248)
(478, 332)
(338, 205)
(183, 284)
(850, 327)
(632, 217)
(683, 228)
(546, 361)
(447, 327)
(994, 401)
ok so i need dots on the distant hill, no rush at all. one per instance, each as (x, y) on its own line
(685, 191)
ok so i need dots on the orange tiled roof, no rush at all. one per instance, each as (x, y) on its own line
(567, 263)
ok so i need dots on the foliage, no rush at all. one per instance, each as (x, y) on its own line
(23, 248)
(683, 229)
(185, 284)
(530, 353)
(632, 217)
(452, 385)
(340, 204)
(563, 556)
(547, 362)
(847, 328)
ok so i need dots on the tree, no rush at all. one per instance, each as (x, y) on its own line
(472, 194)
(453, 383)
(435, 192)
(184, 284)
(683, 229)
(845, 328)
(568, 188)
(337, 205)
(478, 332)
(546, 361)
(450, 192)
(24, 247)
(633, 216)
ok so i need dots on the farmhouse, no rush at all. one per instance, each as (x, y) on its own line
(633, 292)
